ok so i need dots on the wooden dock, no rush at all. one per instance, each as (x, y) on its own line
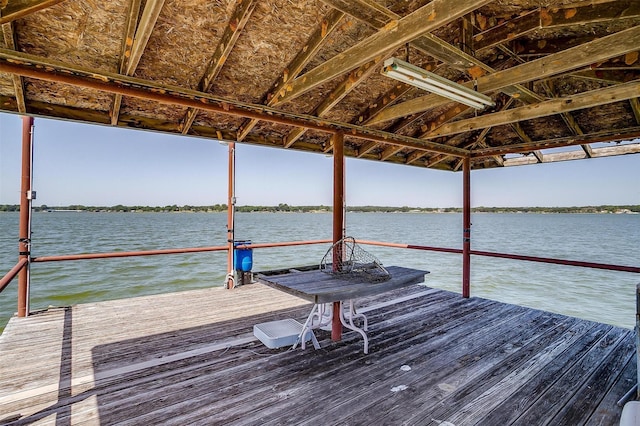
(191, 358)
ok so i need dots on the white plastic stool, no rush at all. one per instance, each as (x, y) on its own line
(630, 414)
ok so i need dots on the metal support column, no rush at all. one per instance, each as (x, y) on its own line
(466, 227)
(231, 206)
(24, 236)
(338, 220)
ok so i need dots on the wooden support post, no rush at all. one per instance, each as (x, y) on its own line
(466, 226)
(231, 205)
(24, 243)
(338, 220)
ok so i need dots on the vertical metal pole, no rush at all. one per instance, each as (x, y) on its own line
(24, 243)
(466, 227)
(338, 220)
(231, 205)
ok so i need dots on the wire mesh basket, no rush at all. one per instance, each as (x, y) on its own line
(347, 259)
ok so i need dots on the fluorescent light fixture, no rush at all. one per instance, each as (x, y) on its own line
(418, 77)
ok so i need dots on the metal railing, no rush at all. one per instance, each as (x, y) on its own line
(6, 280)
(579, 263)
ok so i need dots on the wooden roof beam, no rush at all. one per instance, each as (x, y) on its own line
(482, 142)
(526, 139)
(537, 153)
(18, 82)
(142, 34)
(593, 98)
(551, 18)
(386, 99)
(125, 53)
(567, 117)
(232, 31)
(612, 135)
(134, 47)
(442, 119)
(608, 76)
(389, 152)
(608, 151)
(395, 34)
(16, 9)
(295, 67)
(66, 112)
(378, 16)
(348, 84)
(130, 34)
(439, 158)
(58, 72)
(525, 48)
(414, 156)
(366, 148)
(450, 114)
(366, 11)
(375, 15)
(635, 106)
(577, 57)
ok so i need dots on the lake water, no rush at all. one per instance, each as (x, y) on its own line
(604, 296)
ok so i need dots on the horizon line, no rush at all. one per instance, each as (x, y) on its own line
(285, 205)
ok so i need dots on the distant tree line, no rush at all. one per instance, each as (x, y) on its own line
(282, 207)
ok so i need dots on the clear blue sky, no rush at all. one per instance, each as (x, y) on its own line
(99, 165)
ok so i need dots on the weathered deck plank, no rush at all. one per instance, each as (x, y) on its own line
(191, 358)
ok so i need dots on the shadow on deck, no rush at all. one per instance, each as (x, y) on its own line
(434, 357)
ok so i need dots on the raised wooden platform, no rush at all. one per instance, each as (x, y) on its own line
(191, 357)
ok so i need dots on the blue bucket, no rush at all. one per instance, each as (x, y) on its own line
(242, 257)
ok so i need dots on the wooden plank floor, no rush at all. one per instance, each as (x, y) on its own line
(191, 358)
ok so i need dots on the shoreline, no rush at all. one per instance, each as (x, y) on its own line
(283, 208)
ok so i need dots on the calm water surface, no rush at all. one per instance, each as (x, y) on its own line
(599, 295)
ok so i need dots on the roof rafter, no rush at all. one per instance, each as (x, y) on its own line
(549, 18)
(54, 71)
(442, 119)
(125, 53)
(395, 34)
(66, 112)
(383, 101)
(134, 47)
(528, 48)
(635, 106)
(607, 95)
(377, 16)
(295, 67)
(236, 24)
(16, 9)
(389, 152)
(348, 84)
(607, 151)
(366, 148)
(478, 140)
(607, 76)
(577, 57)
(524, 137)
(567, 117)
(439, 158)
(18, 81)
(626, 134)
